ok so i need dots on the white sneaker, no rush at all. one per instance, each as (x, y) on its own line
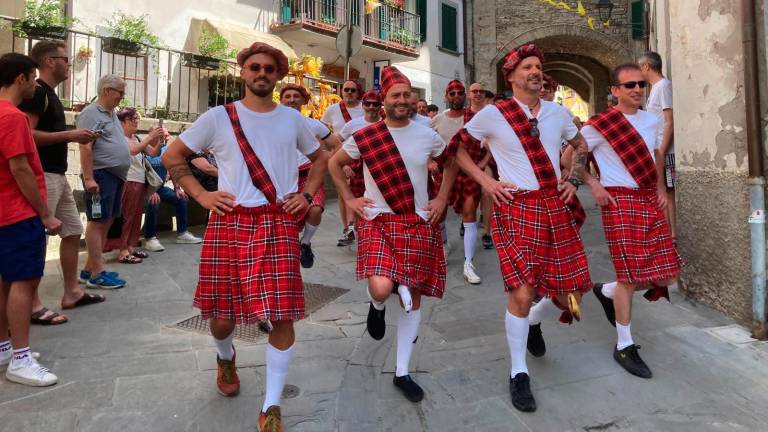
(470, 275)
(153, 245)
(31, 373)
(188, 238)
(4, 362)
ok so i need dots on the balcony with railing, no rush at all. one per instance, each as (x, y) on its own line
(387, 27)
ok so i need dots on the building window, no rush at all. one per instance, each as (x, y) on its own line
(638, 19)
(421, 11)
(448, 26)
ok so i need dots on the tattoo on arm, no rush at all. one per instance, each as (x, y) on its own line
(178, 171)
(580, 153)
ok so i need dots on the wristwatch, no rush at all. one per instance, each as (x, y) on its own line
(576, 182)
(307, 196)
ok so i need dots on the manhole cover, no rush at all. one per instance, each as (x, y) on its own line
(290, 391)
(315, 297)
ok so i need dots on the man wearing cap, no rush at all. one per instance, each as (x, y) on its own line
(534, 230)
(399, 245)
(548, 88)
(372, 107)
(337, 115)
(296, 96)
(249, 263)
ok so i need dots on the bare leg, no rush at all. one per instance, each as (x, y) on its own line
(68, 256)
(95, 236)
(19, 307)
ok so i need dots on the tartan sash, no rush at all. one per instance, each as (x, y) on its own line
(345, 112)
(628, 144)
(380, 154)
(259, 175)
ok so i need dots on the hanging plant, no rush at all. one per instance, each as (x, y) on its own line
(397, 4)
(129, 35)
(213, 48)
(43, 20)
(83, 55)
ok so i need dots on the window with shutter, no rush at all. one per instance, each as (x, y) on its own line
(448, 27)
(421, 10)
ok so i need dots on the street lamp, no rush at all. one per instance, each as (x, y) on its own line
(604, 10)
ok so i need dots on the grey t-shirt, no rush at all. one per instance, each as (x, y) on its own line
(110, 150)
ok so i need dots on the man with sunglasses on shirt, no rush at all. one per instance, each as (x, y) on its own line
(626, 143)
(337, 115)
(534, 230)
(249, 262)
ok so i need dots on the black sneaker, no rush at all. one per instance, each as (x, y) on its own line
(536, 345)
(630, 360)
(487, 241)
(307, 256)
(408, 386)
(376, 324)
(344, 239)
(520, 389)
(461, 230)
(607, 303)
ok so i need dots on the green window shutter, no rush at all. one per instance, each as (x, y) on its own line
(421, 10)
(638, 19)
(448, 26)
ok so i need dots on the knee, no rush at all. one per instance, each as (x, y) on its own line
(380, 288)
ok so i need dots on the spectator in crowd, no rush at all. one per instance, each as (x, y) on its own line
(489, 97)
(105, 163)
(422, 107)
(135, 187)
(432, 110)
(24, 220)
(177, 198)
(46, 117)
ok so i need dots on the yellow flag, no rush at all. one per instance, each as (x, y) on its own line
(607, 24)
(591, 22)
(370, 6)
(564, 5)
(580, 9)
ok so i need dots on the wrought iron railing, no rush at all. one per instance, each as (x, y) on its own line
(386, 24)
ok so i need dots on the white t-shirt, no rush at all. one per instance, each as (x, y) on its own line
(446, 126)
(417, 145)
(554, 124)
(659, 100)
(320, 131)
(136, 172)
(613, 172)
(334, 118)
(274, 136)
(353, 126)
(422, 120)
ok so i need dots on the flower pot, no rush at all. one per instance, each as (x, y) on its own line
(53, 32)
(115, 45)
(201, 62)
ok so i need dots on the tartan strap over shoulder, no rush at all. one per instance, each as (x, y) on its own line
(259, 175)
(540, 161)
(380, 154)
(345, 112)
(627, 142)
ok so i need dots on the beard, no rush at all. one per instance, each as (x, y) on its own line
(260, 91)
(456, 105)
(392, 112)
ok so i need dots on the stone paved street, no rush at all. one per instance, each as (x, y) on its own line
(122, 367)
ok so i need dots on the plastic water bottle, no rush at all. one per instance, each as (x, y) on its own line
(96, 206)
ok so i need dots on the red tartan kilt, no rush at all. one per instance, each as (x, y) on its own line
(538, 243)
(638, 238)
(357, 182)
(463, 188)
(249, 267)
(403, 248)
(318, 199)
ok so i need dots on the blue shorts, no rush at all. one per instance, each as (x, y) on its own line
(111, 191)
(22, 250)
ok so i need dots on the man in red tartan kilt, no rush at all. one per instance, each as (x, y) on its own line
(249, 263)
(625, 142)
(534, 224)
(399, 247)
(296, 96)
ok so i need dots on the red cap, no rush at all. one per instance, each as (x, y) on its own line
(390, 76)
(302, 91)
(261, 48)
(372, 95)
(551, 83)
(454, 85)
(513, 59)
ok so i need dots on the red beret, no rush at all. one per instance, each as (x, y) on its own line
(390, 76)
(551, 83)
(372, 95)
(261, 48)
(302, 91)
(513, 59)
(454, 85)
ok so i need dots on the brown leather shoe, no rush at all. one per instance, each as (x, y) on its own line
(271, 421)
(227, 381)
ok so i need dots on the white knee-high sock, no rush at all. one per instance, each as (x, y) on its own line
(309, 231)
(405, 296)
(545, 309)
(407, 330)
(624, 333)
(470, 239)
(224, 347)
(608, 289)
(517, 338)
(278, 363)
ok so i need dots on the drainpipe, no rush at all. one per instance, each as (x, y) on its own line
(756, 179)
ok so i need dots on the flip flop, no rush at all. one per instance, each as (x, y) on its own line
(85, 300)
(37, 317)
(129, 259)
(140, 254)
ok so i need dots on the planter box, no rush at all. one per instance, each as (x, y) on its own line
(115, 45)
(52, 33)
(201, 62)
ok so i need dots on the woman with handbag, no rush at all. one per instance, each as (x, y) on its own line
(142, 182)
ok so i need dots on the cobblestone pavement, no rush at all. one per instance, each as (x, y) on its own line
(123, 367)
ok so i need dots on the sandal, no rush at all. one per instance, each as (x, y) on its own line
(129, 259)
(85, 300)
(140, 254)
(37, 317)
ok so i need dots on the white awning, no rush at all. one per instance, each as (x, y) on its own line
(239, 37)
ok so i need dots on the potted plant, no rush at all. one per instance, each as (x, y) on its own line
(43, 20)
(130, 35)
(84, 54)
(213, 48)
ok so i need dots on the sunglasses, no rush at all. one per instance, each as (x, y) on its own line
(350, 90)
(629, 85)
(66, 59)
(456, 93)
(256, 67)
(534, 127)
(477, 91)
(372, 104)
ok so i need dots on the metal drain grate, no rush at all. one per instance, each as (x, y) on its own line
(315, 297)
